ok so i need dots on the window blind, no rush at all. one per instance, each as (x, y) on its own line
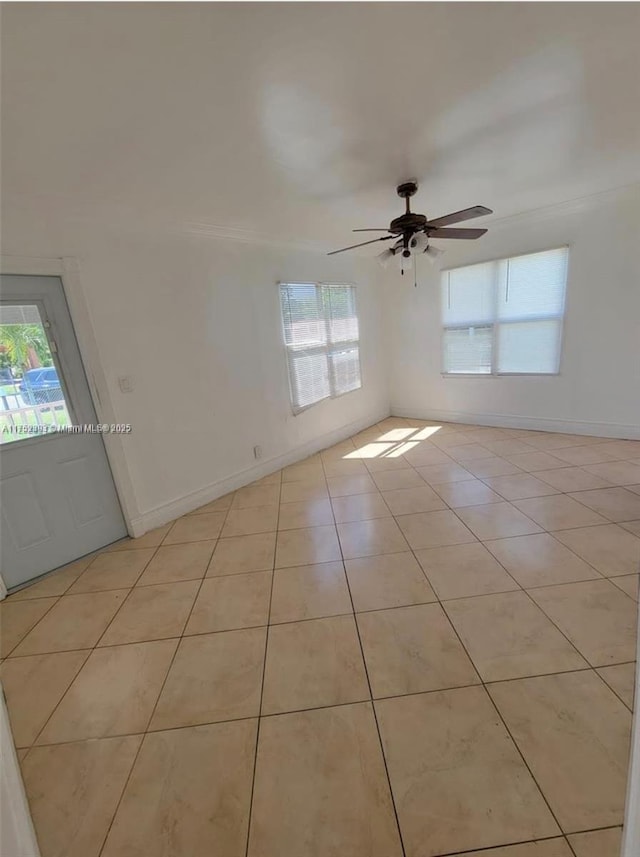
(467, 350)
(321, 335)
(505, 316)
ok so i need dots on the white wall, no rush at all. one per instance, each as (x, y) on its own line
(195, 321)
(598, 388)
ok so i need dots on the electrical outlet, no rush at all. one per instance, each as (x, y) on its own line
(257, 452)
(125, 382)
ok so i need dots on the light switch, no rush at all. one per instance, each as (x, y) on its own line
(125, 383)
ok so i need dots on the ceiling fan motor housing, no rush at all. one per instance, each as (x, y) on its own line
(408, 223)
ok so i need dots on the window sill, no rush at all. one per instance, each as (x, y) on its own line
(478, 375)
(297, 413)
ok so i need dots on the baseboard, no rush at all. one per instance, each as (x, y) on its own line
(627, 432)
(183, 505)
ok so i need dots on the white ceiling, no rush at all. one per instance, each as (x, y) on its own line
(299, 119)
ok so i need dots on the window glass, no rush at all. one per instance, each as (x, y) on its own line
(31, 394)
(321, 335)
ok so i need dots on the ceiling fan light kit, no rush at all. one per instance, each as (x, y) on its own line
(412, 232)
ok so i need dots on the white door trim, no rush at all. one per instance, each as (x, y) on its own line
(68, 270)
(17, 835)
(631, 832)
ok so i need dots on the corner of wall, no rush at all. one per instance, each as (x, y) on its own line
(514, 421)
(183, 505)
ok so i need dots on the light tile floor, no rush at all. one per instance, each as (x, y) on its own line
(420, 641)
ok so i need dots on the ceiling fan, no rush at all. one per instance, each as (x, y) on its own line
(412, 232)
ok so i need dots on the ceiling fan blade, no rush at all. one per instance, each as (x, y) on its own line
(455, 233)
(459, 216)
(353, 246)
(370, 230)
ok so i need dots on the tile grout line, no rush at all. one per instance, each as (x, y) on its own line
(67, 592)
(569, 845)
(125, 599)
(146, 730)
(590, 666)
(264, 671)
(302, 710)
(57, 705)
(569, 583)
(483, 684)
(613, 690)
(21, 640)
(371, 702)
(64, 693)
(439, 601)
(587, 668)
(90, 649)
(600, 576)
(138, 586)
(518, 584)
(487, 850)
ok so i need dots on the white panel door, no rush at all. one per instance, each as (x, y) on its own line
(56, 489)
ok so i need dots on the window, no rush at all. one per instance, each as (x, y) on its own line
(321, 336)
(32, 400)
(505, 317)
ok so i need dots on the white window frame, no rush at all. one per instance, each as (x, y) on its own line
(495, 323)
(327, 349)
